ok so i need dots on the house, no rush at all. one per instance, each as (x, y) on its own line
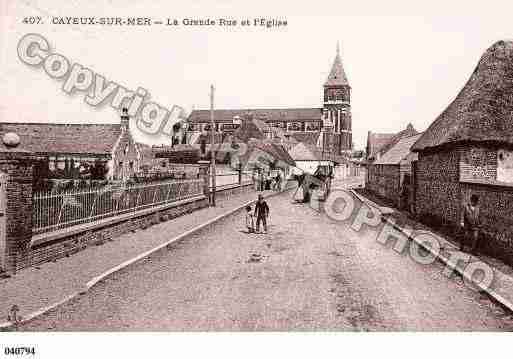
(309, 157)
(468, 150)
(72, 150)
(263, 155)
(387, 175)
(379, 143)
(375, 142)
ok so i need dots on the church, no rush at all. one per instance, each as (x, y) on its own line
(327, 127)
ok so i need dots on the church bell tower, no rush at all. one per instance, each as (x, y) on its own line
(337, 107)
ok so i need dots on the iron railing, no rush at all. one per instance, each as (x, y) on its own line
(53, 211)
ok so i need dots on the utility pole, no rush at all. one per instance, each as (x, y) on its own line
(212, 151)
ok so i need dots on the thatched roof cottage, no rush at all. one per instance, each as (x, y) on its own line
(468, 150)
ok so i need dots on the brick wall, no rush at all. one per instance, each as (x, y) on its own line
(18, 212)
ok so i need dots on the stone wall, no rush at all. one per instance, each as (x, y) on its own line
(496, 208)
(477, 162)
(440, 195)
(384, 181)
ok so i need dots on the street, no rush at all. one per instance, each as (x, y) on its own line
(308, 273)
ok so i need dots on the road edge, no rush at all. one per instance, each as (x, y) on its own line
(95, 280)
(496, 297)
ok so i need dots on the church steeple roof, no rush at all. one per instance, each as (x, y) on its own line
(337, 76)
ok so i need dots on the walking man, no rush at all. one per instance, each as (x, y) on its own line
(278, 182)
(470, 221)
(261, 213)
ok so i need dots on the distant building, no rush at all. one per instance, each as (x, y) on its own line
(309, 158)
(302, 124)
(379, 143)
(468, 150)
(70, 149)
(388, 175)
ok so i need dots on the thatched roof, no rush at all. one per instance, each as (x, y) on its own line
(483, 110)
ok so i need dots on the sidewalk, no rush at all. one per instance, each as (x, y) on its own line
(501, 289)
(38, 289)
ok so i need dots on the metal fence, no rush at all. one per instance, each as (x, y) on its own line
(56, 211)
(229, 180)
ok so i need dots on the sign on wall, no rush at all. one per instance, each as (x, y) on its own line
(478, 164)
(505, 166)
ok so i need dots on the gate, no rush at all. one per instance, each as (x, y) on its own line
(3, 221)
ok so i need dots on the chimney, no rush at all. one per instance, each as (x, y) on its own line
(125, 119)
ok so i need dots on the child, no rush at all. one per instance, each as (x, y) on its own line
(249, 220)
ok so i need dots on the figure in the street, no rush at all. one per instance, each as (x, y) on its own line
(470, 222)
(250, 224)
(261, 213)
(404, 194)
(278, 182)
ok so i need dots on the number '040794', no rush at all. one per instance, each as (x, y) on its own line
(19, 351)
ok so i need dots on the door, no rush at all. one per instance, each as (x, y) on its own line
(3, 221)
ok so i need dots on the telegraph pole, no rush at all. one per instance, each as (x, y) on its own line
(212, 151)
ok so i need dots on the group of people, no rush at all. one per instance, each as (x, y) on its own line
(269, 182)
(470, 220)
(261, 213)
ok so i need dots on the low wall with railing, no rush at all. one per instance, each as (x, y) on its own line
(68, 241)
(54, 211)
(65, 223)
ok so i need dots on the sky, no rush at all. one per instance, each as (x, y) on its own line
(405, 60)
